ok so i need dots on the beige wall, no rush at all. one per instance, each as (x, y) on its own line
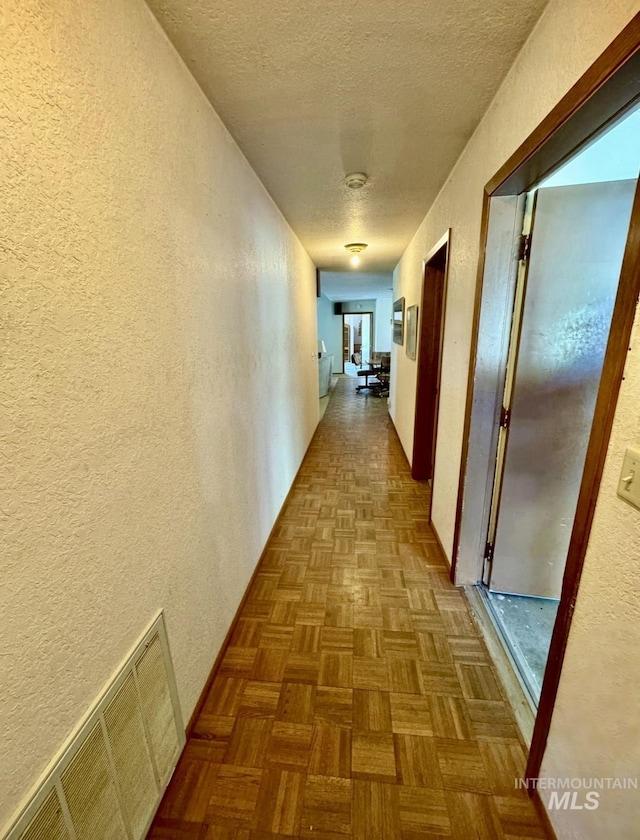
(596, 726)
(595, 729)
(158, 382)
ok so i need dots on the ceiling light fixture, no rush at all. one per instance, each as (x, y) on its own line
(355, 248)
(356, 180)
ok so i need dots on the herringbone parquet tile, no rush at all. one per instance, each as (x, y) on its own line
(355, 699)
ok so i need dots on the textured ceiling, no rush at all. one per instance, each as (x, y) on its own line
(314, 90)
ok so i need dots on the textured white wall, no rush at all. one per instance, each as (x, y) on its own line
(330, 331)
(595, 729)
(158, 326)
(384, 314)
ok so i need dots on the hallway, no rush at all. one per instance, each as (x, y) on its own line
(356, 698)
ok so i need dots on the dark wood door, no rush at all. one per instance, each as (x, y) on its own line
(428, 384)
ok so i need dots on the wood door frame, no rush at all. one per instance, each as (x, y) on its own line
(430, 347)
(343, 325)
(367, 312)
(609, 87)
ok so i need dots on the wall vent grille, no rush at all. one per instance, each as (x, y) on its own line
(131, 755)
(107, 782)
(49, 823)
(90, 791)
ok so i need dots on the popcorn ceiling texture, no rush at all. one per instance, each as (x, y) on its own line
(158, 382)
(600, 678)
(312, 91)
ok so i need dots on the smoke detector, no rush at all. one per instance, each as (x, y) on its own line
(356, 180)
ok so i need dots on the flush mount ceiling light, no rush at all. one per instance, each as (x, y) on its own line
(356, 180)
(355, 248)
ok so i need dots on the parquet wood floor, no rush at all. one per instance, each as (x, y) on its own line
(356, 699)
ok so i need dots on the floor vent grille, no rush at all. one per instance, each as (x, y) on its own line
(107, 783)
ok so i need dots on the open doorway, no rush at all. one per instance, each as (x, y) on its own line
(357, 340)
(557, 290)
(575, 227)
(547, 367)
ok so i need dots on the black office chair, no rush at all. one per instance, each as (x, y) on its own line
(383, 376)
(380, 368)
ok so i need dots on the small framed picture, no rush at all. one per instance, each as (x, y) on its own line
(412, 330)
(398, 321)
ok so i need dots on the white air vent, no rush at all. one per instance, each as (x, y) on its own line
(131, 755)
(90, 791)
(157, 707)
(108, 781)
(49, 823)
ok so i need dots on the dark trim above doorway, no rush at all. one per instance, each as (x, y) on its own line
(608, 87)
